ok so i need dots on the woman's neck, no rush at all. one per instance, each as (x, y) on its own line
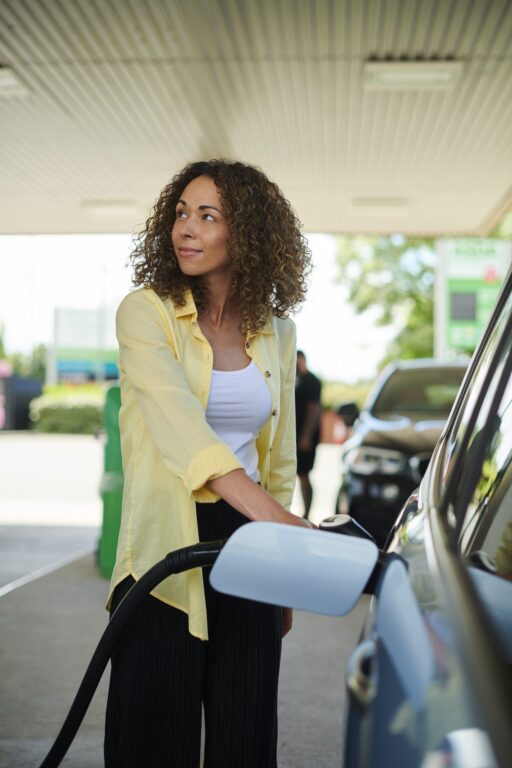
(220, 307)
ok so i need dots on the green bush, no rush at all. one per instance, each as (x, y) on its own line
(79, 414)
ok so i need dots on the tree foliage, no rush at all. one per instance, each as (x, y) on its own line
(394, 275)
(2, 344)
(32, 366)
(503, 230)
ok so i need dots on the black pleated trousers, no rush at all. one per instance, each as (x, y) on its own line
(162, 676)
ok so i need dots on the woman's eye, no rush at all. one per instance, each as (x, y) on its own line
(180, 214)
(208, 217)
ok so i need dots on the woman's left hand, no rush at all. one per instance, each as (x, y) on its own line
(287, 621)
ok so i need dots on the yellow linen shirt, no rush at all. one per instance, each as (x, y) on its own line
(169, 451)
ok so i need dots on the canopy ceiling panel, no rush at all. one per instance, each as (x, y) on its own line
(117, 95)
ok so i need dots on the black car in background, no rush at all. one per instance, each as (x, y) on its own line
(393, 438)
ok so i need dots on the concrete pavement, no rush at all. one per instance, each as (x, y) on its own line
(50, 507)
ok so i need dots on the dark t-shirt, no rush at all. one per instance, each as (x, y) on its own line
(307, 390)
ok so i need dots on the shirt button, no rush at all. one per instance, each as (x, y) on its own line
(274, 412)
(268, 374)
(247, 345)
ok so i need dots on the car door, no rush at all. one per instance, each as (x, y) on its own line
(429, 685)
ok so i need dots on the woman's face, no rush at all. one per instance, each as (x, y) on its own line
(200, 232)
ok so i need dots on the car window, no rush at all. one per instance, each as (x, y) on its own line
(424, 390)
(487, 523)
(478, 478)
(461, 432)
(485, 539)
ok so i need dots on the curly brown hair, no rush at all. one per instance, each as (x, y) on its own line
(271, 256)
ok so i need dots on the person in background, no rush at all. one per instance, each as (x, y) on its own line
(207, 362)
(308, 410)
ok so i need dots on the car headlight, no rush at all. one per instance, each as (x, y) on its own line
(369, 461)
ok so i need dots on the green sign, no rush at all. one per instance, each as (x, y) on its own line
(470, 275)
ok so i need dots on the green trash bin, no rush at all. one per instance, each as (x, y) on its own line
(111, 487)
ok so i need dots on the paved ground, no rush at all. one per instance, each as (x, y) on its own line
(49, 502)
(51, 616)
(49, 629)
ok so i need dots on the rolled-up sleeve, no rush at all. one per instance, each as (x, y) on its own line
(173, 415)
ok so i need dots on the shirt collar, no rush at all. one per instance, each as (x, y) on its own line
(268, 327)
(189, 308)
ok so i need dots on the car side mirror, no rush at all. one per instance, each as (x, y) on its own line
(348, 413)
(295, 567)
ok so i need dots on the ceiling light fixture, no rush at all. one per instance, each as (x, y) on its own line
(379, 202)
(411, 75)
(383, 206)
(108, 209)
(10, 84)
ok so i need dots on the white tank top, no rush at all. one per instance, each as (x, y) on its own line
(238, 406)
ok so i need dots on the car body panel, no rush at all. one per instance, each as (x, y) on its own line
(429, 684)
(400, 433)
(463, 715)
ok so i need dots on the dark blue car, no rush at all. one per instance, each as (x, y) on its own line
(430, 683)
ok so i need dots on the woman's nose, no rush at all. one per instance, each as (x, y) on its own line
(187, 227)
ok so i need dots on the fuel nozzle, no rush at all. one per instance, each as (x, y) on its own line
(342, 523)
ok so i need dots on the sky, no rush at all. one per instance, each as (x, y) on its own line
(41, 272)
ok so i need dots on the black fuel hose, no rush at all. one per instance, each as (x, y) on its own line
(196, 556)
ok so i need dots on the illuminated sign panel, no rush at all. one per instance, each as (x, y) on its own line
(469, 277)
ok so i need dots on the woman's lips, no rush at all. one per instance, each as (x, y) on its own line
(188, 252)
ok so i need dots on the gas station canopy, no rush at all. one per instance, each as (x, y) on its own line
(372, 116)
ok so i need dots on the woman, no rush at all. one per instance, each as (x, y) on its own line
(207, 364)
